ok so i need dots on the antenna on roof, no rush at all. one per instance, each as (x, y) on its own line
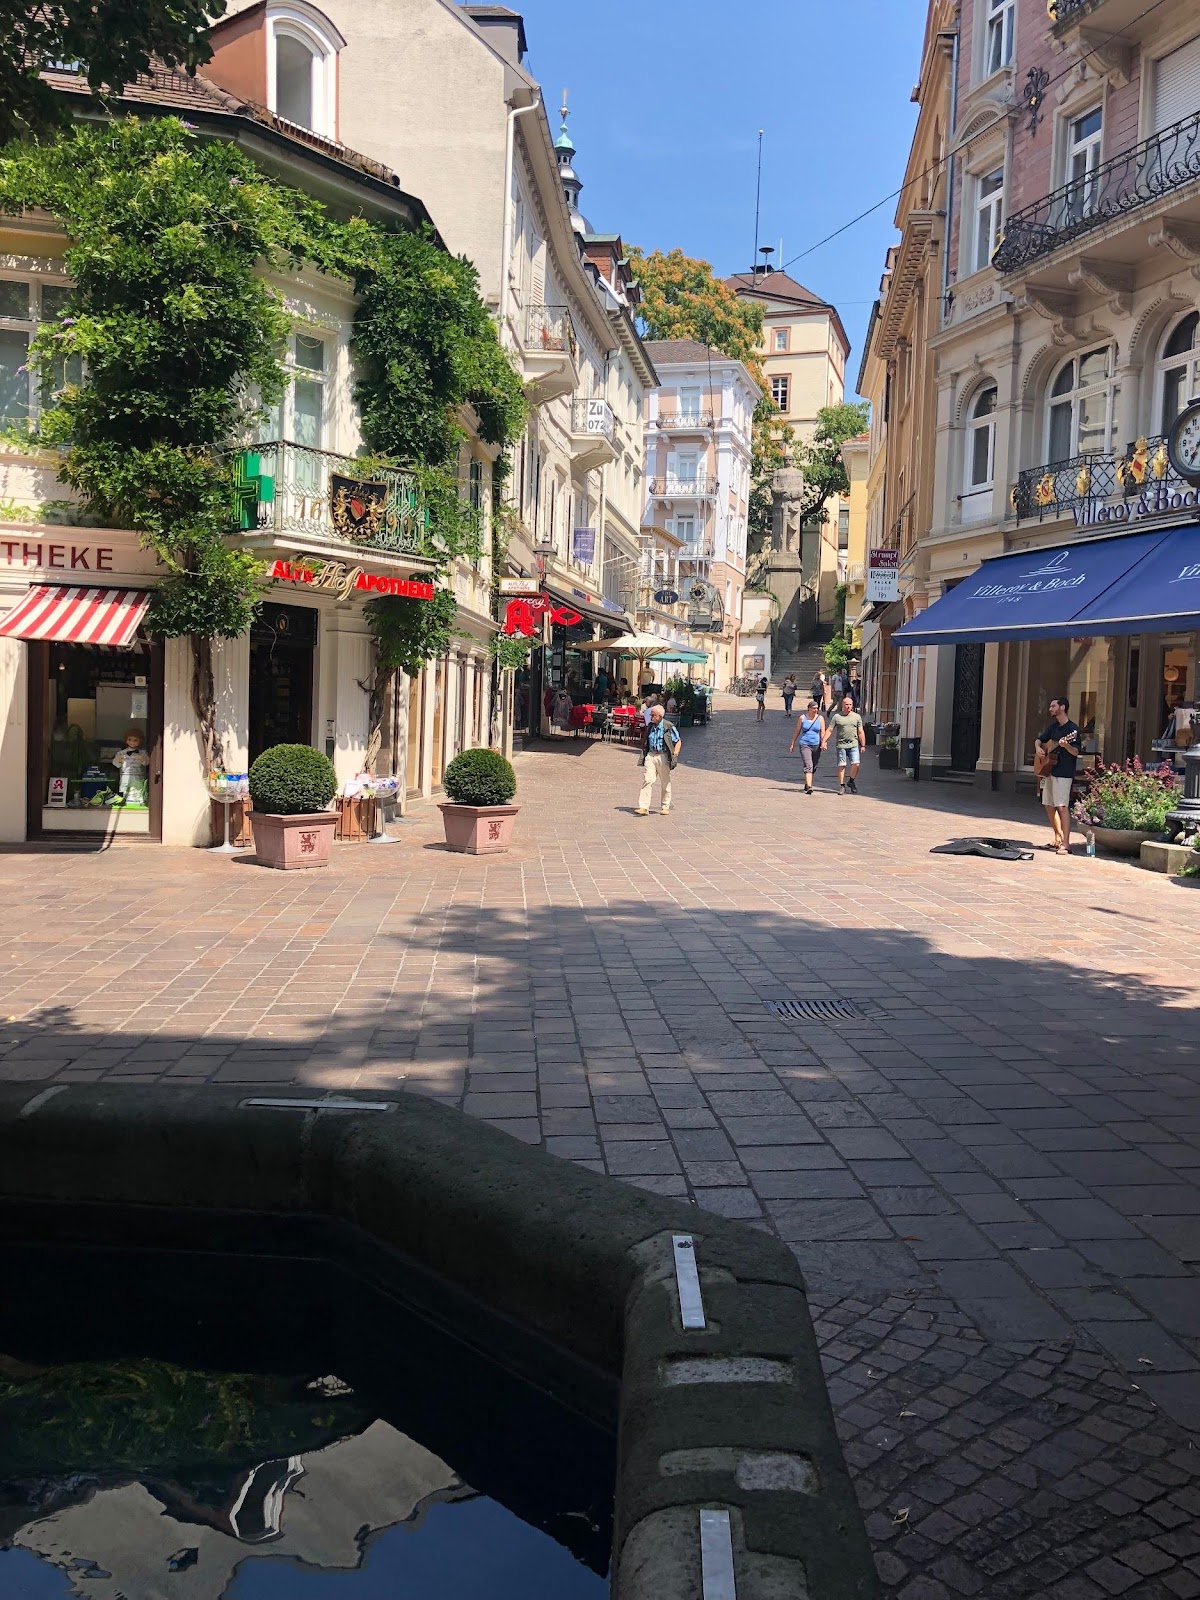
(757, 194)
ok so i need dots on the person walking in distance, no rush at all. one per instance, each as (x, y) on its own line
(819, 688)
(851, 739)
(812, 735)
(661, 745)
(788, 691)
(1058, 761)
(760, 696)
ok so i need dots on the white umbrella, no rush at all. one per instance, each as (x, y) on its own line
(639, 645)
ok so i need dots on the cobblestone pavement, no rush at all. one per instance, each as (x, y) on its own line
(990, 1176)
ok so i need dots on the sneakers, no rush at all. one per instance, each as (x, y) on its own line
(641, 813)
(664, 811)
(841, 788)
(852, 785)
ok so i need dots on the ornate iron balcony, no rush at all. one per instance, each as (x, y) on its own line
(1061, 11)
(592, 416)
(684, 421)
(697, 488)
(1091, 480)
(1136, 178)
(550, 329)
(302, 493)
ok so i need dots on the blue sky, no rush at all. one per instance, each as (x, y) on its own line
(667, 98)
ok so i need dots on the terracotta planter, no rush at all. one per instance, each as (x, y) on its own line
(478, 830)
(291, 843)
(1122, 841)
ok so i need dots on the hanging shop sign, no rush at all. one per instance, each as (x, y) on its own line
(337, 578)
(357, 509)
(665, 597)
(706, 611)
(528, 616)
(883, 575)
(583, 546)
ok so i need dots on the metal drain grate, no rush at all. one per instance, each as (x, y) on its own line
(817, 1010)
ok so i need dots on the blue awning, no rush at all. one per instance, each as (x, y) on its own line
(1130, 583)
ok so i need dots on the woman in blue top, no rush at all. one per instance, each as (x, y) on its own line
(812, 736)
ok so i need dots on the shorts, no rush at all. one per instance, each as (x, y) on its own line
(1056, 791)
(810, 754)
(848, 755)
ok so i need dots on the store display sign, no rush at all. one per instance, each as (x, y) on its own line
(883, 575)
(139, 704)
(528, 616)
(356, 509)
(343, 580)
(583, 546)
(665, 597)
(518, 586)
(57, 795)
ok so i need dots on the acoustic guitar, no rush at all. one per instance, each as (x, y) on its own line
(1044, 760)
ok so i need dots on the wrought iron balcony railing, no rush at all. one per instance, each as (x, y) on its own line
(593, 416)
(549, 329)
(294, 490)
(1163, 163)
(701, 487)
(684, 421)
(1090, 480)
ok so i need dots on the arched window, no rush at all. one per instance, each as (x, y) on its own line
(302, 51)
(1082, 405)
(981, 441)
(1179, 368)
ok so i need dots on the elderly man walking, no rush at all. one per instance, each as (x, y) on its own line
(661, 745)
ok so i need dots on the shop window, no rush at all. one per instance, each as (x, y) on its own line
(97, 738)
(1179, 368)
(1056, 667)
(1082, 408)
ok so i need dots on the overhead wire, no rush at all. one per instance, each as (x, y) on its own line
(943, 161)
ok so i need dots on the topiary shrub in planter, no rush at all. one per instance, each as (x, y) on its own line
(477, 816)
(291, 786)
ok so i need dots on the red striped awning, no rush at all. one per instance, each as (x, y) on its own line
(77, 616)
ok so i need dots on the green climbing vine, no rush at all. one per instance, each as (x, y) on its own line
(179, 334)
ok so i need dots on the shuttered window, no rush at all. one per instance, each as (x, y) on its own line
(1177, 85)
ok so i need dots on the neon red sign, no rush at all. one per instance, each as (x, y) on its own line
(343, 580)
(524, 615)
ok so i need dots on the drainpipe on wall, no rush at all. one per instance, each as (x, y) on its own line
(953, 133)
(495, 716)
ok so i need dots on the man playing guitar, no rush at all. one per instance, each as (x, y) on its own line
(1055, 762)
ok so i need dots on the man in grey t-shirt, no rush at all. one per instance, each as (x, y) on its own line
(850, 738)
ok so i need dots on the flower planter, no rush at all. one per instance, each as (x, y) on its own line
(1122, 841)
(889, 760)
(478, 830)
(292, 843)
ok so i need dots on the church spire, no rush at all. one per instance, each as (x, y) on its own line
(564, 152)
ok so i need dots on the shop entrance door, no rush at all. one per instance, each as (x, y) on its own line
(283, 644)
(968, 707)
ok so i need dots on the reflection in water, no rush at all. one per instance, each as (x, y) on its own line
(372, 1515)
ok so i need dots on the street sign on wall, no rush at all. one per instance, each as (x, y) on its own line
(883, 575)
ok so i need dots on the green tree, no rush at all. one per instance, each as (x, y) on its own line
(108, 41)
(820, 458)
(682, 298)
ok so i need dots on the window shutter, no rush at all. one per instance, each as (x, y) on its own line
(1177, 85)
(537, 289)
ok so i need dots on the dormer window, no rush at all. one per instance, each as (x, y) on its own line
(302, 52)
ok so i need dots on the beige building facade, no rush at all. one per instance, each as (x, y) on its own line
(1065, 347)
(803, 353)
(697, 451)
